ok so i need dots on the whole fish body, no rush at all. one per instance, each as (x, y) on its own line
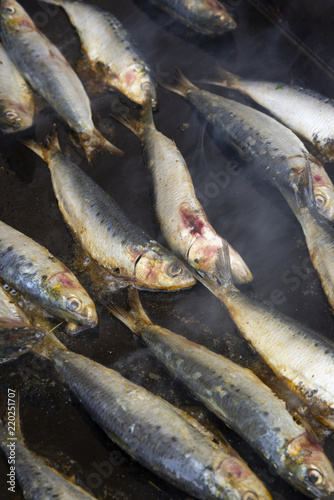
(111, 51)
(48, 72)
(240, 399)
(30, 268)
(17, 335)
(38, 481)
(105, 232)
(16, 99)
(279, 157)
(155, 433)
(182, 219)
(300, 357)
(205, 16)
(308, 113)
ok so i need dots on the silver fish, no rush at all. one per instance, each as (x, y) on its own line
(111, 51)
(305, 111)
(280, 158)
(105, 232)
(48, 72)
(161, 437)
(16, 99)
(30, 268)
(17, 335)
(37, 480)
(240, 399)
(300, 357)
(182, 219)
(209, 17)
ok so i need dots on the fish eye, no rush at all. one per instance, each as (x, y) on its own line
(11, 115)
(320, 200)
(74, 304)
(174, 270)
(9, 9)
(250, 495)
(315, 477)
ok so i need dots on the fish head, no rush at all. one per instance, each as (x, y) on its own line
(17, 339)
(14, 117)
(213, 18)
(308, 467)
(159, 269)
(14, 17)
(324, 200)
(138, 85)
(70, 300)
(234, 480)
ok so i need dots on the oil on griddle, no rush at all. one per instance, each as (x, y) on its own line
(272, 41)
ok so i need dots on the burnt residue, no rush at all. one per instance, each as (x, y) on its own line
(251, 214)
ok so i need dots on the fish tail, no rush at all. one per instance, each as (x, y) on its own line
(181, 85)
(226, 79)
(44, 151)
(96, 142)
(136, 318)
(49, 345)
(137, 125)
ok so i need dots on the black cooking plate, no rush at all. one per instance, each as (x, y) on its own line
(278, 42)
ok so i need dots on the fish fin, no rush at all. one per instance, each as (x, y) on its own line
(181, 85)
(136, 317)
(301, 194)
(240, 271)
(136, 125)
(226, 79)
(96, 142)
(46, 150)
(49, 345)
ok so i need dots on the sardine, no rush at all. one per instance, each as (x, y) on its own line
(17, 335)
(308, 113)
(209, 17)
(280, 158)
(182, 219)
(161, 437)
(16, 99)
(48, 72)
(111, 51)
(105, 232)
(240, 399)
(38, 481)
(31, 269)
(300, 357)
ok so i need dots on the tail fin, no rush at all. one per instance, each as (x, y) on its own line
(49, 346)
(134, 319)
(137, 125)
(44, 151)
(226, 79)
(181, 84)
(96, 142)
(223, 274)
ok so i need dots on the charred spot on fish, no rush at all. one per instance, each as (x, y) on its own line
(44, 277)
(117, 270)
(196, 261)
(52, 258)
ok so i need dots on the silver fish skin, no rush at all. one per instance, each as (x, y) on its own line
(17, 335)
(308, 113)
(104, 230)
(111, 51)
(278, 156)
(182, 220)
(208, 17)
(16, 99)
(48, 72)
(37, 480)
(300, 357)
(30, 268)
(239, 398)
(155, 433)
